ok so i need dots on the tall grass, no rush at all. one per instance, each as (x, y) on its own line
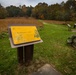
(9, 21)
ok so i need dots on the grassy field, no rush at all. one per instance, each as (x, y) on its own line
(53, 50)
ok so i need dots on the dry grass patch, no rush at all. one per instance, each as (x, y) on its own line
(5, 22)
(57, 22)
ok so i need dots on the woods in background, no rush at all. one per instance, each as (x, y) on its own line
(63, 11)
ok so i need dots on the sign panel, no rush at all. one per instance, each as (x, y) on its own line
(24, 34)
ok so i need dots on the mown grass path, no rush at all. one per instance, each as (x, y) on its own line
(53, 50)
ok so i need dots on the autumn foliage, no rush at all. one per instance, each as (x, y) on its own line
(65, 11)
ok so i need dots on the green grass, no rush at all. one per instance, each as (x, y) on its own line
(53, 50)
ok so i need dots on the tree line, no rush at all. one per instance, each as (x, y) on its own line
(64, 11)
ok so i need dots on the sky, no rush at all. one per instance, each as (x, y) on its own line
(28, 2)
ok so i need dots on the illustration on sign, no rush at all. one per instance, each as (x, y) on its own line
(24, 34)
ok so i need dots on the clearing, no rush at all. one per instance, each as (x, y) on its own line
(53, 50)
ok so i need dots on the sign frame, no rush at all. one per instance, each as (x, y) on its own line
(23, 44)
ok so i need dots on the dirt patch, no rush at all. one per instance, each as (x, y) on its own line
(73, 30)
(30, 68)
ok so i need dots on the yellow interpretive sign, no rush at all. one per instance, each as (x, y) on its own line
(24, 34)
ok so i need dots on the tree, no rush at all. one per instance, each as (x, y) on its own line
(53, 11)
(13, 11)
(3, 12)
(70, 6)
(40, 11)
(29, 11)
(24, 8)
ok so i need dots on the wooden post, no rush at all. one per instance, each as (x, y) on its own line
(20, 54)
(28, 53)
